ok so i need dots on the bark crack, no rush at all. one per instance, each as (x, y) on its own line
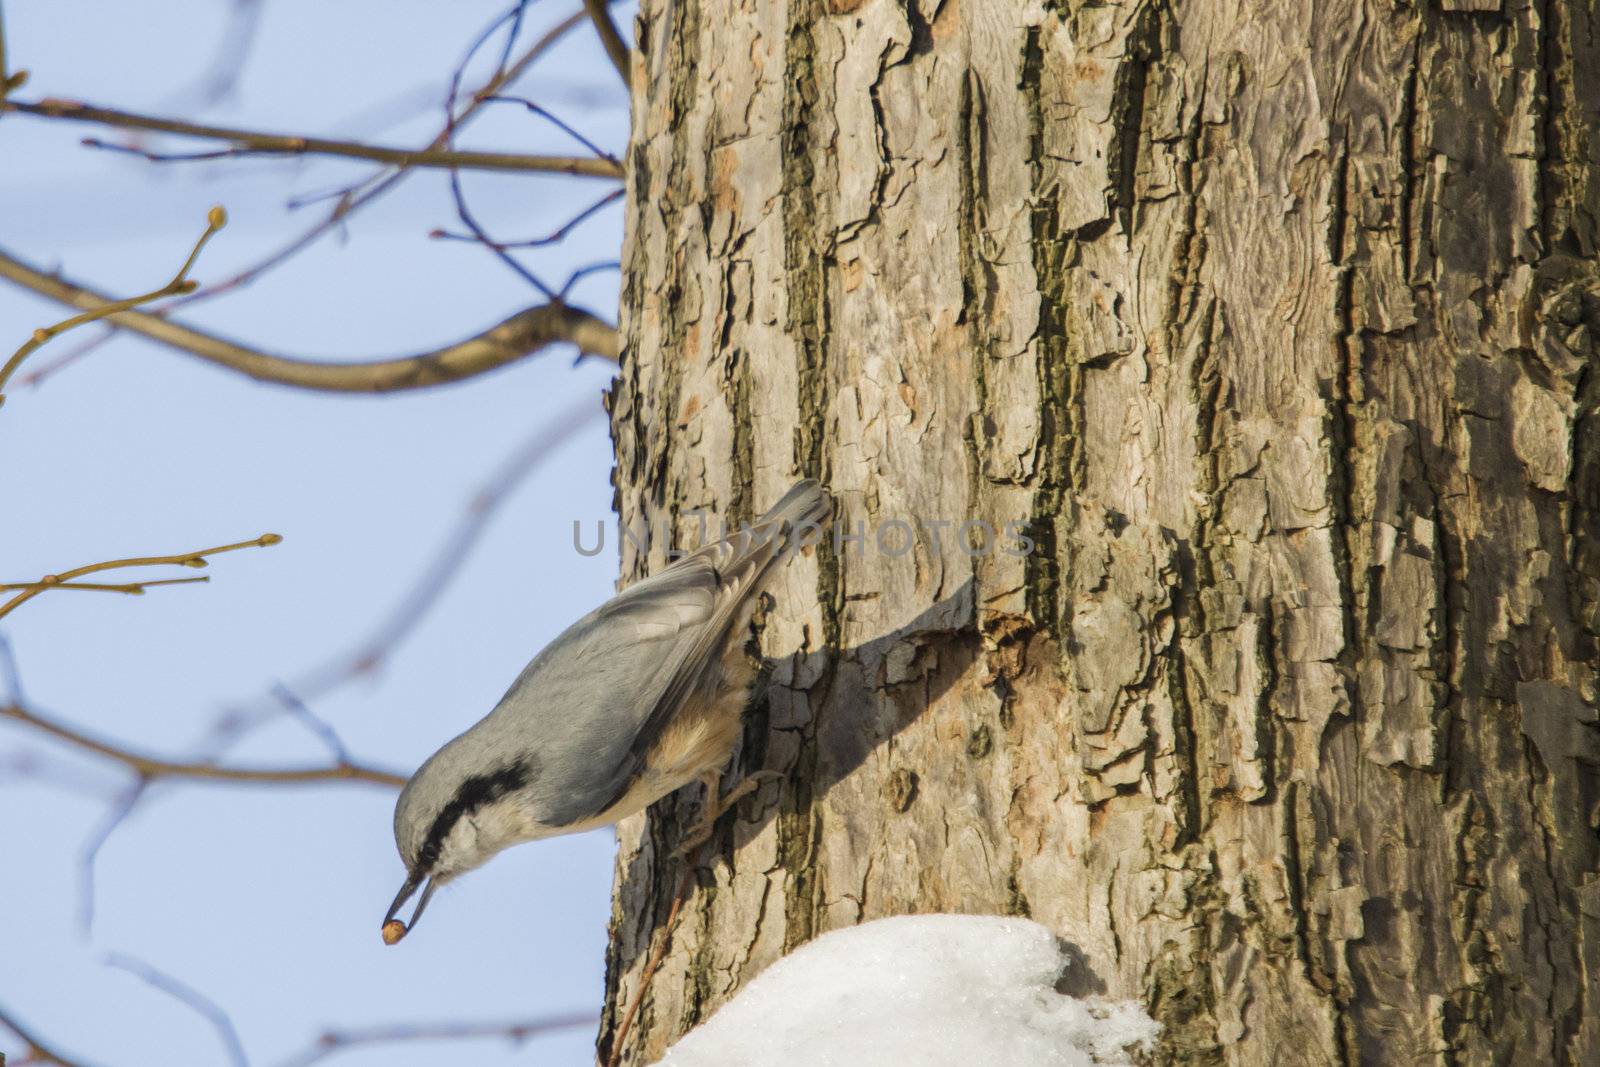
(1058, 402)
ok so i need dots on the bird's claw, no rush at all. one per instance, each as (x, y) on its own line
(716, 808)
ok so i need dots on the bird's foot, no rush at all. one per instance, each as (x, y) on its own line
(715, 808)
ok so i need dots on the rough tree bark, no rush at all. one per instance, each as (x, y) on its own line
(1276, 324)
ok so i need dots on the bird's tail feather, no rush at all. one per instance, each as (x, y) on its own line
(805, 504)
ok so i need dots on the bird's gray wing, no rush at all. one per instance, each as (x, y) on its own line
(581, 702)
(609, 685)
(731, 571)
(731, 574)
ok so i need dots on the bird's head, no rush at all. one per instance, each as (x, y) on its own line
(453, 816)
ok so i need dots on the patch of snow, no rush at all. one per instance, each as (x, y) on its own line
(925, 990)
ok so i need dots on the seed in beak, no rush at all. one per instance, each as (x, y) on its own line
(393, 931)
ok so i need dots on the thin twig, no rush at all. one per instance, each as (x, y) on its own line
(550, 238)
(153, 767)
(131, 588)
(89, 852)
(254, 142)
(555, 120)
(518, 11)
(651, 964)
(325, 733)
(459, 196)
(186, 559)
(488, 242)
(218, 83)
(583, 272)
(12, 672)
(333, 1042)
(216, 219)
(164, 157)
(189, 995)
(506, 342)
(614, 45)
(37, 373)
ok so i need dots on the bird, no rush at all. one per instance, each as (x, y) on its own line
(638, 698)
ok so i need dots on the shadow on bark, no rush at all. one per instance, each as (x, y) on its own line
(860, 697)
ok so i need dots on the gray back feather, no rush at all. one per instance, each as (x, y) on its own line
(590, 707)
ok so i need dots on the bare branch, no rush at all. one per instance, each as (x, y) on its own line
(152, 767)
(369, 189)
(614, 45)
(186, 559)
(254, 142)
(130, 798)
(189, 995)
(38, 1051)
(506, 342)
(216, 219)
(332, 1042)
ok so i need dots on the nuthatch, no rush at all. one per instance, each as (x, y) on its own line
(639, 697)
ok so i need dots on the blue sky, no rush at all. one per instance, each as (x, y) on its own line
(268, 900)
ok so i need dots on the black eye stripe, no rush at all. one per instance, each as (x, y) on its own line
(474, 793)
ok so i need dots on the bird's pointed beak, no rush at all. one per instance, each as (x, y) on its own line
(394, 929)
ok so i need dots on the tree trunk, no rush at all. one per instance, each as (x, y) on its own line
(1275, 327)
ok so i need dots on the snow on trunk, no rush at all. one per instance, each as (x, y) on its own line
(923, 989)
